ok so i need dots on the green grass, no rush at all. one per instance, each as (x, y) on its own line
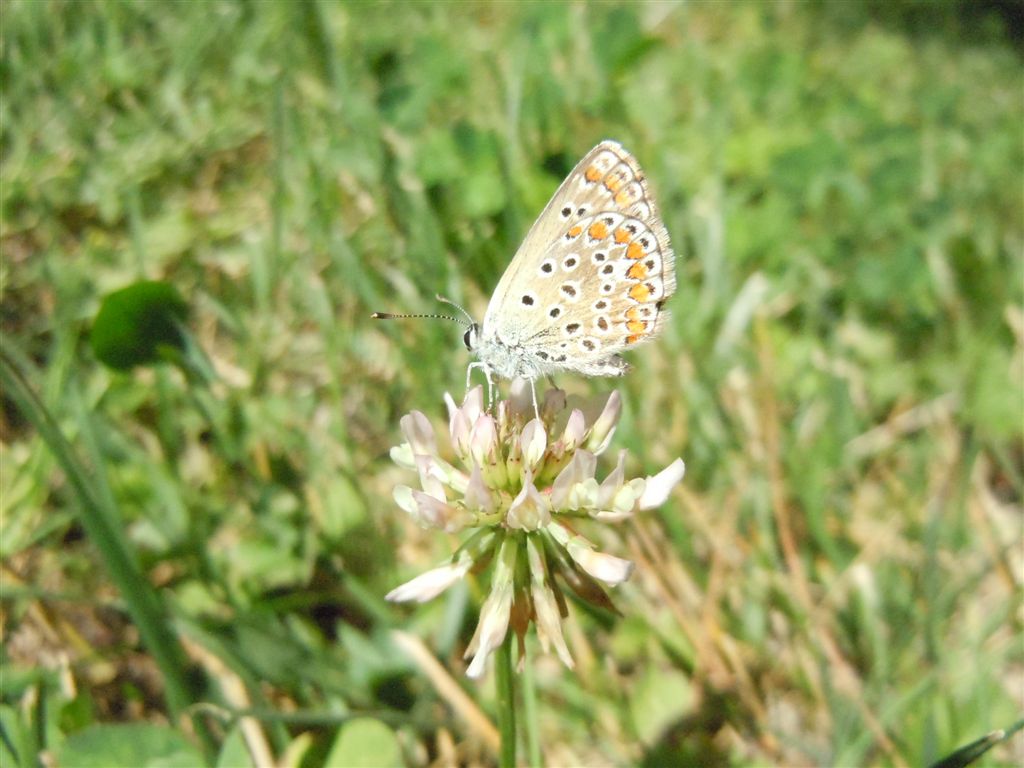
(837, 582)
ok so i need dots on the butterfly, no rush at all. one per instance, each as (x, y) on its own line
(589, 281)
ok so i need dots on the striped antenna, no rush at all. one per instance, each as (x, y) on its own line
(389, 316)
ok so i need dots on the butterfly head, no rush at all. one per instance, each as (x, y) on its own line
(472, 337)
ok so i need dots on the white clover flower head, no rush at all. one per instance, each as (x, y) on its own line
(524, 486)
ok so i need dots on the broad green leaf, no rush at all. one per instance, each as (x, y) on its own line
(132, 745)
(364, 743)
(135, 322)
(233, 752)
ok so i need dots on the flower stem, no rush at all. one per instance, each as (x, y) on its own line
(506, 702)
(530, 714)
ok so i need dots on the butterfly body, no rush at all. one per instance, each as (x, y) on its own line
(589, 280)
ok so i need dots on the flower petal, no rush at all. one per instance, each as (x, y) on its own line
(534, 443)
(403, 498)
(434, 513)
(610, 569)
(579, 469)
(657, 488)
(521, 397)
(419, 433)
(548, 617)
(461, 419)
(483, 443)
(449, 403)
(612, 483)
(625, 501)
(607, 568)
(473, 404)
(584, 495)
(609, 516)
(478, 496)
(604, 427)
(494, 614)
(432, 476)
(429, 585)
(454, 478)
(575, 428)
(530, 510)
(491, 629)
(624, 504)
(402, 456)
(460, 431)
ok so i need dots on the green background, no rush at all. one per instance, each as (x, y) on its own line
(836, 582)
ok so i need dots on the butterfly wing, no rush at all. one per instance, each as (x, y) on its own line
(592, 274)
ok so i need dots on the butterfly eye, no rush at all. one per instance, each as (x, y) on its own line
(469, 339)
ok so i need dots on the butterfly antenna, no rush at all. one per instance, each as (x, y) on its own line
(468, 322)
(444, 300)
(389, 316)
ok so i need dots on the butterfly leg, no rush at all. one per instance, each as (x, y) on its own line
(533, 391)
(490, 386)
(487, 373)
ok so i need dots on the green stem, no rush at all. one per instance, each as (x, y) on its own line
(530, 713)
(506, 703)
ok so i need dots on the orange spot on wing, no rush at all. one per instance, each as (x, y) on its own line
(598, 230)
(633, 339)
(593, 174)
(640, 292)
(624, 198)
(621, 235)
(638, 271)
(636, 326)
(575, 231)
(633, 313)
(613, 184)
(634, 251)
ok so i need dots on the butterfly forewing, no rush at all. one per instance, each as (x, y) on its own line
(590, 278)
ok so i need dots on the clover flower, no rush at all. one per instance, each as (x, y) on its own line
(524, 485)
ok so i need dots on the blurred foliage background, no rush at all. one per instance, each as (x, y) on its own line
(194, 562)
